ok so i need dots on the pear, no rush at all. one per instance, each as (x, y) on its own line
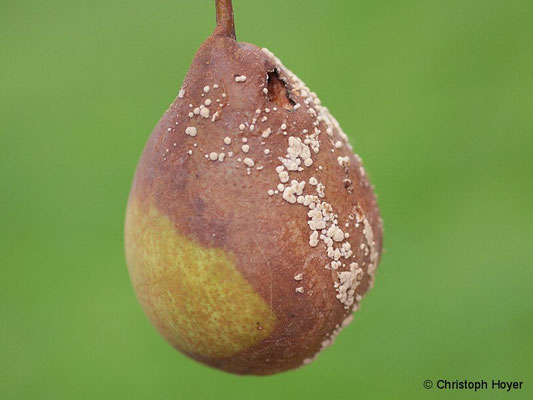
(252, 231)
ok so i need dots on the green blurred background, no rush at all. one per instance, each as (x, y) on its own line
(437, 97)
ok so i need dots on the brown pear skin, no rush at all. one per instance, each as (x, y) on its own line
(252, 231)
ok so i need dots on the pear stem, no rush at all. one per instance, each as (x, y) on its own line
(225, 23)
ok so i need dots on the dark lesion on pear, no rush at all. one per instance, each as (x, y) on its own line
(348, 185)
(278, 90)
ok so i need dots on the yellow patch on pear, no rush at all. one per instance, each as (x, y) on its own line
(194, 295)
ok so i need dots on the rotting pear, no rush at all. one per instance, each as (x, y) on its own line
(252, 232)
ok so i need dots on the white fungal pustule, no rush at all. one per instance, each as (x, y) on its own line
(213, 156)
(297, 153)
(249, 162)
(374, 255)
(295, 189)
(266, 133)
(313, 239)
(336, 233)
(284, 176)
(191, 131)
(227, 140)
(240, 78)
(321, 190)
(204, 111)
(344, 161)
(181, 93)
(346, 251)
(347, 284)
(317, 221)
